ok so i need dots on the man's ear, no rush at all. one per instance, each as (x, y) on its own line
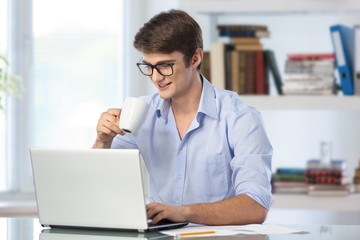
(197, 57)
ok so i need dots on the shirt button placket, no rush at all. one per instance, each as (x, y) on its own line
(179, 183)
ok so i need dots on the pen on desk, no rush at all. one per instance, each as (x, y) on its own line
(194, 233)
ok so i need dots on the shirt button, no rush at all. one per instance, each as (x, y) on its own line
(178, 202)
(179, 177)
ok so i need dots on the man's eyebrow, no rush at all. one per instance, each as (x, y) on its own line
(160, 62)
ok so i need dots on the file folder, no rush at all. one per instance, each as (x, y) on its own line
(357, 60)
(343, 43)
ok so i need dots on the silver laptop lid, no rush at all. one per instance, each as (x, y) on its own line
(99, 188)
(79, 234)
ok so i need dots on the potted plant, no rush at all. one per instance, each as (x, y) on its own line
(10, 85)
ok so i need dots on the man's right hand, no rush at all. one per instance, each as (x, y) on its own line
(107, 128)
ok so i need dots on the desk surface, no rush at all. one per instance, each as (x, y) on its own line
(29, 228)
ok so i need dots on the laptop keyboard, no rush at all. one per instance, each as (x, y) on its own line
(161, 223)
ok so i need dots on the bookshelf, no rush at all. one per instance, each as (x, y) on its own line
(284, 115)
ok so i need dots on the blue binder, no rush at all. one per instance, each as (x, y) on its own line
(343, 43)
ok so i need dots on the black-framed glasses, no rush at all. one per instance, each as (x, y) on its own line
(165, 69)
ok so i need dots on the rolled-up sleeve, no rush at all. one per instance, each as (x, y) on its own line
(251, 164)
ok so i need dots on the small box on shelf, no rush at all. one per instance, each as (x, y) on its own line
(356, 179)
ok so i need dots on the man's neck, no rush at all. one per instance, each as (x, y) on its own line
(189, 103)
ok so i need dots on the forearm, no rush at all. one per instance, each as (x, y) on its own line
(233, 211)
(100, 144)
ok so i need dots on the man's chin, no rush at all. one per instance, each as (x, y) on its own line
(164, 96)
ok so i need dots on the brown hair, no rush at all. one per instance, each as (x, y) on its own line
(170, 31)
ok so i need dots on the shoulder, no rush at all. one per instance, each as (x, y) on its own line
(230, 103)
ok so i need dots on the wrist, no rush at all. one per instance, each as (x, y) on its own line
(188, 213)
(100, 144)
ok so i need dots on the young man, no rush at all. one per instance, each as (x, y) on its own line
(206, 151)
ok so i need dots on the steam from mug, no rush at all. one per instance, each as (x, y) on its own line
(133, 114)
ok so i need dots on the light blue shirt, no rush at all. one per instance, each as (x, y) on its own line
(225, 151)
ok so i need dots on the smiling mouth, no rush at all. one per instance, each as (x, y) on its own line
(164, 85)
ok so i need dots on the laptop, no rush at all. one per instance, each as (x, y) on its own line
(91, 188)
(79, 234)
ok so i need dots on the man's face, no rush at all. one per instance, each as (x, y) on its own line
(175, 85)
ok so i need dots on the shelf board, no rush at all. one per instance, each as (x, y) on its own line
(332, 103)
(333, 203)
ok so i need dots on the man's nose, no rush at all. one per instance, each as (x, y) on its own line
(156, 76)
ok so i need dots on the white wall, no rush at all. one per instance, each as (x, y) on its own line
(296, 136)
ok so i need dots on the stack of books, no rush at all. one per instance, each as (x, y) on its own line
(310, 74)
(357, 179)
(239, 62)
(289, 180)
(328, 179)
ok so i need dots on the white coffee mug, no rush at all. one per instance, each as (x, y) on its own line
(133, 114)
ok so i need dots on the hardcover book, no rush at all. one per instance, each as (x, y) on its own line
(274, 70)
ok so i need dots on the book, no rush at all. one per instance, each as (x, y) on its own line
(205, 66)
(321, 67)
(288, 177)
(235, 63)
(248, 47)
(241, 68)
(243, 30)
(294, 171)
(217, 64)
(242, 27)
(243, 33)
(309, 79)
(290, 187)
(228, 66)
(245, 40)
(274, 70)
(343, 43)
(310, 56)
(261, 80)
(220, 61)
(356, 60)
(330, 190)
(249, 72)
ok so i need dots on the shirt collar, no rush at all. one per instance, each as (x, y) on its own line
(163, 108)
(207, 104)
(208, 100)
